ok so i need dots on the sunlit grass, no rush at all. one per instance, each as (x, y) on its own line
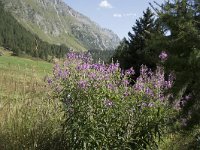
(22, 75)
(28, 120)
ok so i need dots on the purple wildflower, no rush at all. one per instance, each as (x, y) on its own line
(82, 83)
(65, 74)
(59, 73)
(113, 67)
(130, 71)
(71, 55)
(163, 56)
(187, 97)
(126, 94)
(110, 86)
(143, 70)
(149, 92)
(92, 75)
(153, 83)
(49, 81)
(84, 66)
(125, 82)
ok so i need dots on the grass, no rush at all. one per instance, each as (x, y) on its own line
(28, 120)
(182, 140)
(21, 74)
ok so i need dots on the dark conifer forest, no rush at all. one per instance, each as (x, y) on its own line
(174, 28)
(17, 39)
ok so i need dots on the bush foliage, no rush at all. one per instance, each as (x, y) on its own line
(103, 111)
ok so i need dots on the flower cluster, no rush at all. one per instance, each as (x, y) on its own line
(153, 84)
(163, 56)
(99, 101)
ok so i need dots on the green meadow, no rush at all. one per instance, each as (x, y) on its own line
(21, 74)
(28, 119)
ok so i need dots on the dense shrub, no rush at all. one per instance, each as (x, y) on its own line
(103, 111)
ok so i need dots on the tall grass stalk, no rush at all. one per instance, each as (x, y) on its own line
(28, 120)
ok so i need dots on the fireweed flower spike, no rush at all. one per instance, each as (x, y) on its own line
(153, 83)
(130, 71)
(163, 56)
(99, 97)
(82, 83)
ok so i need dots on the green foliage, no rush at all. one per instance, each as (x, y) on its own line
(102, 111)
(176, 30)
(181, 20)
(16, 38)
(182, 140)
(99, 55)
(135, 51)
(28, 120)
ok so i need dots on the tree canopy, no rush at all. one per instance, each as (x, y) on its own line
(172, 27)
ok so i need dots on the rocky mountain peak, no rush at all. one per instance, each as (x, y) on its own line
(56, 22)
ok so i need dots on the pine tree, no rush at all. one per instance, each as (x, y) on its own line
(134, 52)
(122, 55)
(181, 19)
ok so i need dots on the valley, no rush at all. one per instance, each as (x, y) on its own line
(68, 83)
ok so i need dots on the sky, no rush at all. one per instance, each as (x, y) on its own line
(117, 15)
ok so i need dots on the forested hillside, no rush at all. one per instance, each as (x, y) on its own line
(56, 22)
(16, 38)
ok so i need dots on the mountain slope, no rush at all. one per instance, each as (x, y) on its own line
(14, 37)
(57, 23)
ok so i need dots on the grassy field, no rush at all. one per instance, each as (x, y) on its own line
(21, 75)
(28, 119)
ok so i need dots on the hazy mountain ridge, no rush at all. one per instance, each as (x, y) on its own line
(56, 22)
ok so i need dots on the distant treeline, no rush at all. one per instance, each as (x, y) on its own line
(14, 37)
(99, 55)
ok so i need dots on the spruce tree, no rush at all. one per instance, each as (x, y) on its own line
(134, 52)
(181, 19)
